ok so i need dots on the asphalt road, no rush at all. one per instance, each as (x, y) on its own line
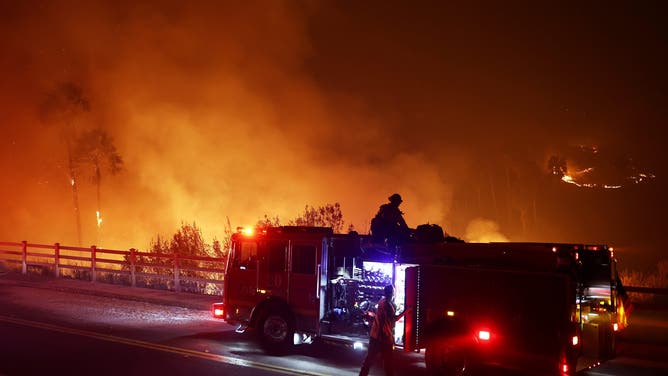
(48, 330)
(74, 332)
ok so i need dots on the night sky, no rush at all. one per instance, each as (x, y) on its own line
(233, 110)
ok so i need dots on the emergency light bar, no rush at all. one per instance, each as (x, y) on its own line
(248, 231)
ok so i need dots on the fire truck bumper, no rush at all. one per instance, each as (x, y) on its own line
(520, 363)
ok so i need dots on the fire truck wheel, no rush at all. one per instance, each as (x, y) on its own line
(275, 330)
(445, 358)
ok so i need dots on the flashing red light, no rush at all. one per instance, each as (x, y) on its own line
(246, 231)
(218, 310)
(484, 335)
(564, 368)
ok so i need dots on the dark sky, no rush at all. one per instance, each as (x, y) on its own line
(515, 71)
(240, 110)
(502, 86)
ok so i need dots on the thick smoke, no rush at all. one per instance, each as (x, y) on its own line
(240, 109)
(484, 230)
(212, 113)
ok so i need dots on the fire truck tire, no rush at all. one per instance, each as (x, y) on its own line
(444, 358)
(275, 330)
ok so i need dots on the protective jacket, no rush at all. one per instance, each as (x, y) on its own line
(382, 328)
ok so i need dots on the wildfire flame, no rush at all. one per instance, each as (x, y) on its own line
(605, 170)
(99, 219)
(570, 180)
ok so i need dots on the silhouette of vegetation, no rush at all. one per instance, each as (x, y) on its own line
(329, 215)
(653, 279)
(268, 221)
(186, 242)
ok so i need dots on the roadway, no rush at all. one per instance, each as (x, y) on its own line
(76, 327)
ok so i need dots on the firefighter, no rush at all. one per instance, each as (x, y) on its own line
(389, 226)
(381, 338)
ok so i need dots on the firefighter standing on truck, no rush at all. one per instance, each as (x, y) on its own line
(381, 339)
(389, 225)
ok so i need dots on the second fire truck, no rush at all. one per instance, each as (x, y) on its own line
(536, 307)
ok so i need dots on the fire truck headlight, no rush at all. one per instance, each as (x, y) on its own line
(358, 346)
(575, 340)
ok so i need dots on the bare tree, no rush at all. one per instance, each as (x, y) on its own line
(63, 106)
(95, 151)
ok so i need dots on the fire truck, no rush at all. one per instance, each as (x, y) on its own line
(538, 308)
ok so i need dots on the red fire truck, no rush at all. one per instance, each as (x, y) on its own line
(534, 307)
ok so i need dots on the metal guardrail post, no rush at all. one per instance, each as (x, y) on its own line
(24, 257)
(177, 281)
(93, 251)
(133, 261)
(56, 262)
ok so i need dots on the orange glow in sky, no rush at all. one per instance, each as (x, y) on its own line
(226, 111)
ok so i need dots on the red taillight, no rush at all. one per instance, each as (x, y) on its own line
(484, 335)
(564, 368)
(218, 310)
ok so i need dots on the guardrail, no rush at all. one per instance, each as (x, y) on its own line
(181, 271)
(132, 267)
(647, 290)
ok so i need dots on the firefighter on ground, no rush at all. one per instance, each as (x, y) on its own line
(389, 225)
(381, 338)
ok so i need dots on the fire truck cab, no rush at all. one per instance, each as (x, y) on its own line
(532, 307)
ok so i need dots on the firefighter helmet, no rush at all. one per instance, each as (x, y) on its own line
(395, 198)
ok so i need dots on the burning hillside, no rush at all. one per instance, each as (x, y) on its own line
(589, 167)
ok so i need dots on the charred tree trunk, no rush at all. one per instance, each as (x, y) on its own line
(75, 191)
